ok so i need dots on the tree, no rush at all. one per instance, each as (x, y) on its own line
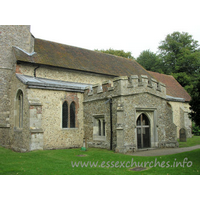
(181, 58)
(180, 53)
(121, 53)
(150, 61)
(195, 104)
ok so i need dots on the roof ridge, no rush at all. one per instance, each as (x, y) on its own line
(62, 44)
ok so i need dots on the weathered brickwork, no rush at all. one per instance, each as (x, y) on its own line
(130, 99)
(42, 120)
(54, 135)
(36, 131)
(94, 109)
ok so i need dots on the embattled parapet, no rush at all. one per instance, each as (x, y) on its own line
(124, 85)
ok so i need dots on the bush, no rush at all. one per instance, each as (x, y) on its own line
(195, 129)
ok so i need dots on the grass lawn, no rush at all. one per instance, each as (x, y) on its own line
(195, 140)
(58, 162)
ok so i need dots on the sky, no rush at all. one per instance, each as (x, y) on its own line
(127, 25)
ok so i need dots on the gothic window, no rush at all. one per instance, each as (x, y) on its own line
(69, 115)
(99, 121)
(104, 127)
(72, 115)
(101, 127)
(65, 115)
(19, 109)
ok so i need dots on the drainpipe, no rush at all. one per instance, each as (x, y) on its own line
(35, 71)
(111, 129)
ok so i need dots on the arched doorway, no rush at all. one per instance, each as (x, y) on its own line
(143, 131)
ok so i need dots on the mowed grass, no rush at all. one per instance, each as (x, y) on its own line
(59, 162)
(195, 140)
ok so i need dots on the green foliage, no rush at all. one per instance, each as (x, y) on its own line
(195, 129)
(121, 53)
(195, 104)
(178, 56)
(182, 78)
(149, 61)
(180, 53)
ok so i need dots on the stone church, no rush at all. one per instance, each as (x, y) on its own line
(57, 96)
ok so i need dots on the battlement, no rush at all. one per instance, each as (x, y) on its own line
(125, 85)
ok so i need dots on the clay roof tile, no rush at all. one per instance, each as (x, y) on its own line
(173, 88)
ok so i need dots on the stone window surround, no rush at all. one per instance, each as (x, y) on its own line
(96, 135)
(101, 122)
(69, 104)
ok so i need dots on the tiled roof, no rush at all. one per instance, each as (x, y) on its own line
(65, 56)
(173, 88)
(69, 57)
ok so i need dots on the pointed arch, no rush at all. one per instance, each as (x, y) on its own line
(143, 131)
(143, 119)
(65, 115)
(19, 109)
(72, 115)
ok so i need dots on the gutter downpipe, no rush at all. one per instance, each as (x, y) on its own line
(35, 70)
(111, 129)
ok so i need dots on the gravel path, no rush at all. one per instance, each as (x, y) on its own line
(165, 151)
